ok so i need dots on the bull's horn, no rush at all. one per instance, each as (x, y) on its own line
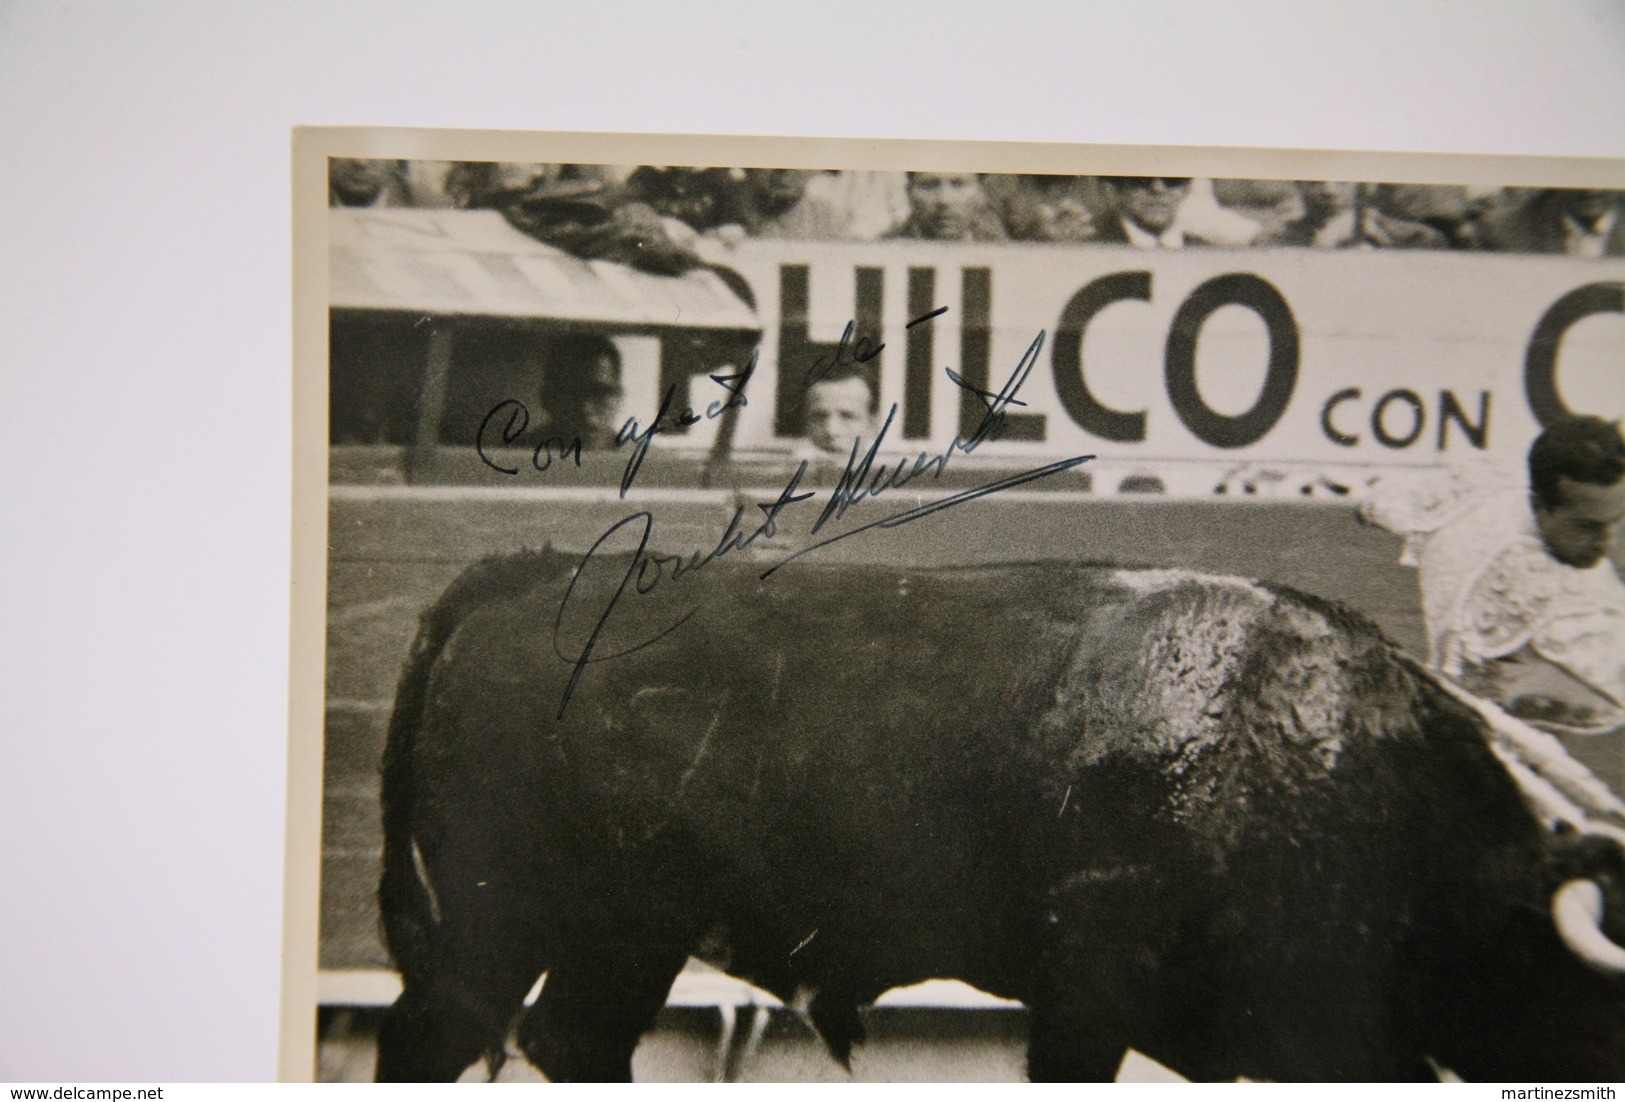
(1577, 910)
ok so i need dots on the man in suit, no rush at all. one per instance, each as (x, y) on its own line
(1040, 207)
(1339, 216)
(1145, 213)
(949, 206)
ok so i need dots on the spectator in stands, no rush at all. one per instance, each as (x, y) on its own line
(1202, 215)
(499, 185)
(1035, 207)
(1585, 222)
(581, 391)
(688, 207)
(1145, 213)
(700, 198)
(493, 185)
(872, 203)
(1522, 605)
(841, 407)
(1267, 204)
(493, 361)
(777, 205)
(1483, 207)
(586, 210)
(425, 184)
(355, 182)
(569, 385)
(1340, 216)
(949, 206)
(1456, 212)
(772, 192)
(807, 205)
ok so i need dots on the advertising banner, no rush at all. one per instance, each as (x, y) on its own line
(1200, 360)
(1349, 357)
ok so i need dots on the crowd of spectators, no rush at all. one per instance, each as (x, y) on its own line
(669, 219)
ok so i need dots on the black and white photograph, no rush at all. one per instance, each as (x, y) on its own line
(333, 330)
(956, 613)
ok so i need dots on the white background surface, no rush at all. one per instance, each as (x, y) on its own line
(145, 361)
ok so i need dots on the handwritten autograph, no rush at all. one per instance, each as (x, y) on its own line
(861, 480)
(518, 419)
(639, 438)
(863, 477)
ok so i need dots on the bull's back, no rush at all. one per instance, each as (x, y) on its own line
(867, 776)
(907, 753)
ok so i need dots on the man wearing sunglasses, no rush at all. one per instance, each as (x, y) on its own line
(1146, 210)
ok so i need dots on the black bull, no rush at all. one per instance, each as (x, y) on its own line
(1223, 823)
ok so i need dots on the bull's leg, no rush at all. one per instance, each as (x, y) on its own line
(437, 1029)
(1320, 1016)
(461, 999)
(1097, 995)
(1058, 1053)
(593, 1009)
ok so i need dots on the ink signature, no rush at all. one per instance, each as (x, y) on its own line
(518, 419)
(639, 438)
(863, 478)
